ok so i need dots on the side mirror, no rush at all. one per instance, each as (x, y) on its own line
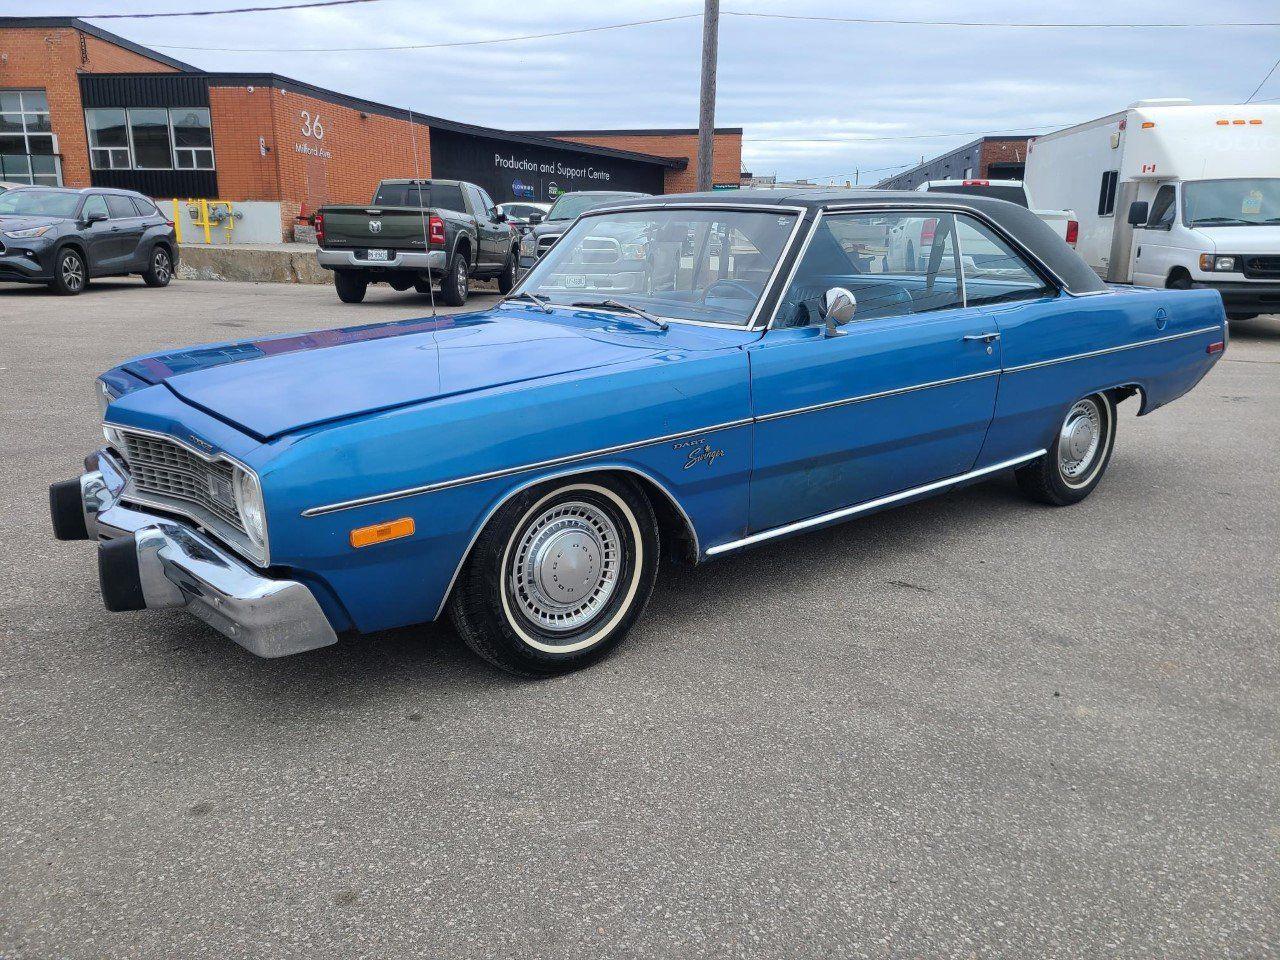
(499, 217)
(96, 217)
(1139, 210)
(838, 307)
(536, 218)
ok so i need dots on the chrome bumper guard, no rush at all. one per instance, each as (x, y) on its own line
(171, 564)
(434, 260)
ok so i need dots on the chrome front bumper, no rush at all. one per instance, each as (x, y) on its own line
(146, 561)
(435, 260)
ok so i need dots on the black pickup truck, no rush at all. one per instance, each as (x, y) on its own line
(415, 232)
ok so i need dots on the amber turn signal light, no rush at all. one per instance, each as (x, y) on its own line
(382, 532)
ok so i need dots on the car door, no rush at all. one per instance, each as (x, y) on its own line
(491, 233)
(98, 238)
(899, 397)
(1153, 254)
(126, 232)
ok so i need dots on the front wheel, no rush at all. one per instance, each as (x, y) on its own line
(1079, 455)
(160, 270)
(351, 286)
(453, 289)
(507, 278)
(70, 274)
(558, 576)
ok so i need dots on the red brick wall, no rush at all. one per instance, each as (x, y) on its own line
(726, 158)
(1002, 151)
(304, 172)
(50, 60)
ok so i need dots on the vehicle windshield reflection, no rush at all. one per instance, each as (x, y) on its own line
(704, 265)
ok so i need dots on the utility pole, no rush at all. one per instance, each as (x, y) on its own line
(707, 99)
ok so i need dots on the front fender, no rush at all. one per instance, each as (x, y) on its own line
(449, 465)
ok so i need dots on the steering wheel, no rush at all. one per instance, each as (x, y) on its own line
(743, 290)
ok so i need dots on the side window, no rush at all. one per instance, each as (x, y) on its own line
(447, 196)
(1163, 208)
(1107, 193)
(120, 207)
(144, 207)
(893, 264)
(993, 271)
(489, 207)
(95, 204)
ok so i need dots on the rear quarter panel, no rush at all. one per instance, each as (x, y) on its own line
(1056, 351)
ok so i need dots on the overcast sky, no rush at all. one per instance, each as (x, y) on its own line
(778, 79)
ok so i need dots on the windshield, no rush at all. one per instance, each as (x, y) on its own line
(1229, 203)
(1012, 194)
(38, 203)
(571, 205)
(707, 265)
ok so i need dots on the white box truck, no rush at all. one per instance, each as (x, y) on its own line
(1171, 194)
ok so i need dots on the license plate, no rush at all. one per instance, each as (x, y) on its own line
(575, 281)
(376, 254)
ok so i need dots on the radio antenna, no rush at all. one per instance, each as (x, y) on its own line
(422, 213)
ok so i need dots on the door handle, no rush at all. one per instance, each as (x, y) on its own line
(982, 337)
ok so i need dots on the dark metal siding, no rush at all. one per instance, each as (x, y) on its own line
(150, 90)
(144, 90)
(184, 184)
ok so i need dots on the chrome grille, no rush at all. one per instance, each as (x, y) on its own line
(545, 241)
(162, 468)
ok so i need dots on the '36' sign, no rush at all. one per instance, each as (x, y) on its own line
(311, 125)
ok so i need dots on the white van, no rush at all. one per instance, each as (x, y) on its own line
(1171, 194)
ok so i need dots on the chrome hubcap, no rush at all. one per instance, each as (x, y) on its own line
(462, 277)
(72, 272)
(566, 566)
(1079, 440)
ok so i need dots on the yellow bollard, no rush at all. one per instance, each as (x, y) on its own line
(177, 222)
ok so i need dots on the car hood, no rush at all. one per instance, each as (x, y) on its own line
(1264, 238)
(12, 223)
(283, 384)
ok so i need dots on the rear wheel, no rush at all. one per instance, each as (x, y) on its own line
(507, 278)
(558, 576)
(160, 270)
(453, 289)
(351, 285)
(1079, 456)
(70, 274)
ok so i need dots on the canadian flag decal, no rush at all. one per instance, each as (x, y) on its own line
(1148, 168)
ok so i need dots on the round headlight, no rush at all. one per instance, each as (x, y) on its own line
(253, 513)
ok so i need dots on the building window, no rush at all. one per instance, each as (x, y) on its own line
(108, 139)
(28, 147)
(150, 138)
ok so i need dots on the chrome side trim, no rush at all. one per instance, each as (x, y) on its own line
(484, 522)
(874, 396)
(868, 505)
(1098, 353)
(511, 471)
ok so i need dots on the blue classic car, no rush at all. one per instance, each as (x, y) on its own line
(775, 369)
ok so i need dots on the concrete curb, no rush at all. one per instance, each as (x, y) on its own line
(260, 265)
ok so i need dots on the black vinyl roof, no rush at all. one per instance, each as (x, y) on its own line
(1017, 222)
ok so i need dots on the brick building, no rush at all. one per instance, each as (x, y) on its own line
(987, 158)
(80, 106)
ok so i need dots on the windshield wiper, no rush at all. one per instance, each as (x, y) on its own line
(532, 298)
(625, 308)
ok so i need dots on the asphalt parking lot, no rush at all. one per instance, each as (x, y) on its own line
(969, 727)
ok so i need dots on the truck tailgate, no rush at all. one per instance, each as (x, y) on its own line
(375, 226)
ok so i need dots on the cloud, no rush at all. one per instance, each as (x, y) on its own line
(831, 82)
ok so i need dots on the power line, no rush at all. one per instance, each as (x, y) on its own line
(1264, 81)
(216, 13)
(432, 46)
(994, 23)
